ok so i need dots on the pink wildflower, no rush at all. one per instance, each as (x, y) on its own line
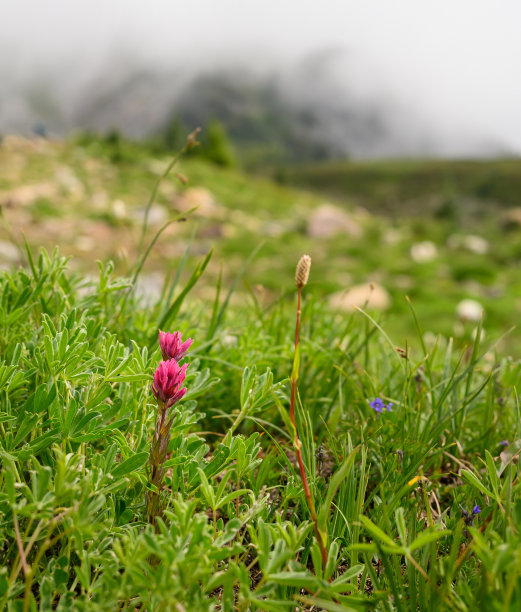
(167, 383)
(172, 345)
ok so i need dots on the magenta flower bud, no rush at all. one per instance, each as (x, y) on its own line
(167, 383)
(172, 345)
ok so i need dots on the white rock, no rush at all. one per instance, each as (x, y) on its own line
(200, 198)
(119, 209)
(229, 340)
(66, 178)
(150, 286)
(368, 295)
(393, 236)
(8, 251)
(27, 194)
(328, 220)
(423, 252)
(100, 200)
(476, 244)
(469, 310)
(85, 243)
(157, 215)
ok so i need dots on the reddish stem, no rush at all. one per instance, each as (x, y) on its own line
(298, 444)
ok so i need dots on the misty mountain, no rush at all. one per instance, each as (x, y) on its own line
(293, 114)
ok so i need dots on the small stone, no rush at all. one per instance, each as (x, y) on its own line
(476, 244)
(85, 243)
(511, 219)
(469, 310)
(368, 295)
(27, 194)
(150, 286)
(9, 252)
(423, 252)
(328, 220)
(200, 198)
(157, 215)
(66, 178)
(119, 209)
(229, 340)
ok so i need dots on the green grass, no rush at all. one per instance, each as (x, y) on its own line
(394, 492)
(252, 210)
(77, 417)
(405, 186)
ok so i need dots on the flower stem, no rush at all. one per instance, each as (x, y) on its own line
(298, 444)
(156, 471)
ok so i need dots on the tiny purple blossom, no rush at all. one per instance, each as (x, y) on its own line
(504, 442)
(476, 509)
(172, 345)
(379, 406)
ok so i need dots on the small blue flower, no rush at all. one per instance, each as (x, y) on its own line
(476, 509)
(504, 442)
(379, 406)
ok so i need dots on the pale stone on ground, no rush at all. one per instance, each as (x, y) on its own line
(27, 194)
(511, 218)
(470, 310)
(423, 252)
(157, 215)
(200, 198)
(328, 220)
(68, 181)
(8, 251)
(368, 295)
(119, 209)
(474, 244)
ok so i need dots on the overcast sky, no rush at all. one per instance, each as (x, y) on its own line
(455, 63)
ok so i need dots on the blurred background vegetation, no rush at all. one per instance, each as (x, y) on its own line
(447, 234)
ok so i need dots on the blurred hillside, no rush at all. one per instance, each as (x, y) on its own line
(89, 197)
(461, 190)
(282, 115)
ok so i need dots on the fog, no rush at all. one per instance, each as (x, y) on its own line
(435, 78)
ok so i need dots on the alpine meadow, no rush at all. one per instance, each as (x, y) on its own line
(261, 398)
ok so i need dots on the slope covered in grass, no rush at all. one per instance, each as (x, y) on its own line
(90, 198)
(457, 188)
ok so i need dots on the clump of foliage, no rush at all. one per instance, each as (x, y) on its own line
(216, 146)
(417, 495)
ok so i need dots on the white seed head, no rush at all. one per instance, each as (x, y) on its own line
(302, 273)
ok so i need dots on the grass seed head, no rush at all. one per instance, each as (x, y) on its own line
(302, 273)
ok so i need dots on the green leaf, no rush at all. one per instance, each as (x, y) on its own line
(231, 496)
(332, 488)
(427, 537)
(301, 580)
(271, 605)
(492, 473)
(26, 426)
(472, 479)
(130, 465)
(380, 535)
(349, 574)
